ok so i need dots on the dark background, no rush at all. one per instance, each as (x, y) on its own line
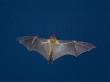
(85, 20)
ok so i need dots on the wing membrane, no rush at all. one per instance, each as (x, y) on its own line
(33, 43)
(74, 48)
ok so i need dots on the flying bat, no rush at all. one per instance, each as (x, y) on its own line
(52, 49)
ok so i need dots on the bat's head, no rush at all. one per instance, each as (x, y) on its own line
(53, 39)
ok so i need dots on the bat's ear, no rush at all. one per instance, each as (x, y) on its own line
(53, 36)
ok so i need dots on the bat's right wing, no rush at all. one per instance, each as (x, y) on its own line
(74, 48)
(33, 43)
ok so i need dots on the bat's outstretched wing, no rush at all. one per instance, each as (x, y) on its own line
(74, 48)
(33, 43)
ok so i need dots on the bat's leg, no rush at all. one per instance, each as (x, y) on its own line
(50, 61)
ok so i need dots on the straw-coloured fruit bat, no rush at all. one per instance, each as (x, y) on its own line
(52, 48)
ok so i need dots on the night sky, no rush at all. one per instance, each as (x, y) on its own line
(84, 20)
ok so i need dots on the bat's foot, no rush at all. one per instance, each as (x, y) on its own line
(50, 62)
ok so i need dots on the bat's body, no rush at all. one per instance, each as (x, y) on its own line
(52, 42)
(52, 48)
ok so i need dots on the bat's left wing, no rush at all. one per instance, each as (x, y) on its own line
(33, 43)
(74, 48)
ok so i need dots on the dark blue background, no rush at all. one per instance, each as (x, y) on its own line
(85, 20)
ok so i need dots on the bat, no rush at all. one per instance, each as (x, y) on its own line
(52, 49)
